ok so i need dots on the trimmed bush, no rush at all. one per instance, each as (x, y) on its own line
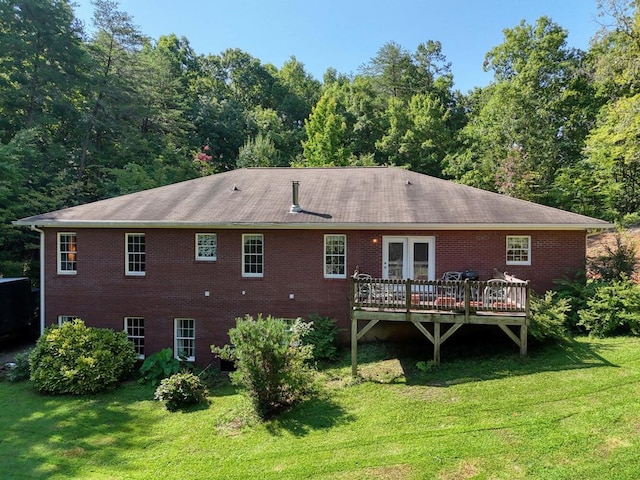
(271, 362)
(77, 359)
(181, 390)
(322, 337)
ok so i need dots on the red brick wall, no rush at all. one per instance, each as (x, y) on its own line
(175, 283)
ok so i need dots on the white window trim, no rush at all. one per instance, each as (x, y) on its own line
(59, 252)
(126, 255)
(518, 262)
(249, 274)
(207, 259)
(191, 358)
(126, 329)
(324, 258)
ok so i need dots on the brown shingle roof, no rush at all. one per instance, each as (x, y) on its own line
(357, 197)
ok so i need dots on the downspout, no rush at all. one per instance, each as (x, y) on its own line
(42, 257)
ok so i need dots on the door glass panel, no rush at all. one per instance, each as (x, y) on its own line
(420, 261)
(396, 260)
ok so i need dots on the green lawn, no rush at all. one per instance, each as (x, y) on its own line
(562, 413)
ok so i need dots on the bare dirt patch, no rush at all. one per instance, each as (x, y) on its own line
(601, 244)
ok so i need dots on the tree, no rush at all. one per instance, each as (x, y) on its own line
(115, 78)
(611, 165)
(531, 122)
(325, 129)
(42, 62)
(613, 151)
(258, 152)
(418, 136)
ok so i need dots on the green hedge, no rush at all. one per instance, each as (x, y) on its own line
(77, 359)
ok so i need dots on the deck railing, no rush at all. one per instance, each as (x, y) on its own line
(468, 296)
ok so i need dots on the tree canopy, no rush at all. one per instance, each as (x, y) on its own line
(85, 117)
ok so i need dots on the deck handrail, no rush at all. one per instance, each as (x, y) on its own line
(468, 296)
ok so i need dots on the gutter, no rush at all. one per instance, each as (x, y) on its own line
(42, 258)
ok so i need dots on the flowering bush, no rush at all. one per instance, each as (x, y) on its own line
(181, 390)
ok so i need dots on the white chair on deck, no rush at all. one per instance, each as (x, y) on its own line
(451, 291)
(495, 294)
(365, 291)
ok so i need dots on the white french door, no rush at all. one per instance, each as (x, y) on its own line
(408, 257)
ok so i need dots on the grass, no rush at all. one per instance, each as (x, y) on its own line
(564, 412)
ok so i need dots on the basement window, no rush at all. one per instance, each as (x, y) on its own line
(518, 250)
(66, 318)
(185, 339)
(134, 326)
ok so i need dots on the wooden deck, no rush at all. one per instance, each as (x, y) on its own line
(495, 302)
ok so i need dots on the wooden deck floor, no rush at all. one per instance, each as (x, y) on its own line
(454, 304)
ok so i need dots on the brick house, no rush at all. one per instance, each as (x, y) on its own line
(174, 266)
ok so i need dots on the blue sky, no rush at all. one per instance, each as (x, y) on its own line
(346, 34)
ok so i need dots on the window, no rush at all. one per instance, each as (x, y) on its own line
(134, 326)
(206, 246)
(518, 250)
(335, 256)
(135, 257)
(67, 253)
(66, 318)
(252, 255)
(185, 335)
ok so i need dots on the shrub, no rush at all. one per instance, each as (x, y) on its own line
(549, 317)
(614, 308)
(77, 359)
(577, 290)
(271, 362)
(181, 390)
(322, 337)
(158, 366)
(20, 371)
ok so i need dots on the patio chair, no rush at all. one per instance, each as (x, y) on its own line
(452, 292)
(365, 291)
(495, 294)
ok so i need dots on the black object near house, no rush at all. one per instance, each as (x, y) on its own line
(17, 307)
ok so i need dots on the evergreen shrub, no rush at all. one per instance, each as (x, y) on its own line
(549, 317)
(322, 336)
(613, 309)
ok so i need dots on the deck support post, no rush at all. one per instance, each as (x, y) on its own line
(354, 346)
(527, 318)
(523, 339)
(436, 343)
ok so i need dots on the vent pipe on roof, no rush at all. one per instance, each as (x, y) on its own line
(295, 206)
